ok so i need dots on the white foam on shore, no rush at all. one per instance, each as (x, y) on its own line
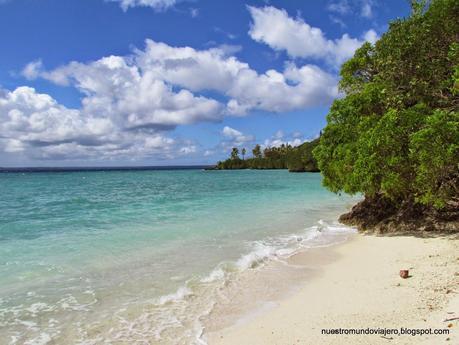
(177, 316)
(216, 274)
(180, 294)
(198, 296)
(279, 248)
(282, 247)
(42, 339)
(260, 253)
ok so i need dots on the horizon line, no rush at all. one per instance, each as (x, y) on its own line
(95, 168)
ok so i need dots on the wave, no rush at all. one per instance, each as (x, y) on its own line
(176, 317)
(180, 294)
(278, 248)
(282, 247)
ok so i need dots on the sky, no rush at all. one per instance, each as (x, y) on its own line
(171, 82)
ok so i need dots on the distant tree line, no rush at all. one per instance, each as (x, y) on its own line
(294, 158)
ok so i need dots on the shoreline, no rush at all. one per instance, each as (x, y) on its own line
(356, 285)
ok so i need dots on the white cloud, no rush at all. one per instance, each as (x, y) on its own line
(37, 118)
(134, 97)
(275, 28)
(196, 70)
(279, 139)
(128, 102)
(188, 149)
(32, 70)
(366, 9)
(371, 36)
(213, 69)
(236, 136)
(138, 87)
(340, 7)
(37, 125)
(157, 5)
(229, 49)
(132, 146)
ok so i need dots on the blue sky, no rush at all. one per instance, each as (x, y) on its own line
(158, 82)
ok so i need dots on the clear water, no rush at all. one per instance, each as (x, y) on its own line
(110, 257)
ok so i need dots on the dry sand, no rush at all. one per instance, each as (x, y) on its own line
(358, 288)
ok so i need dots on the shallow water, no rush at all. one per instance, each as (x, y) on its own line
(137, 257)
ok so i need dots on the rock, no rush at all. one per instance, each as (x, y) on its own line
(380, 215)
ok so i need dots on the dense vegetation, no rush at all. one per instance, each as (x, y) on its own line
(295, 159)
(395, 134)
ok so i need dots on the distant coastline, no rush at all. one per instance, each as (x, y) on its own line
(83, 169)
(294, 158)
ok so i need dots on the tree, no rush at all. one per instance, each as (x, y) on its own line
(295, 159)
(395, 134)
(243, 152)
(235, 153)
(256, 151)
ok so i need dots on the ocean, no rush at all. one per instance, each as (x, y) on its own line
(143, 256)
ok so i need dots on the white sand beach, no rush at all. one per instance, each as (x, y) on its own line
(360, 287)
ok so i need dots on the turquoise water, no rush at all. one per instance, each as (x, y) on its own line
(110, 257)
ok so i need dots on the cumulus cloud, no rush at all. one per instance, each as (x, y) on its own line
(233, 138)
(213, 69)
(236, 136)
(39, 126)
(158, 5)
(371, 36)
(275, 28)
(295, 88)
(133, 96)
(128, 102)
(188, 149)
(38, 119)
(141, 88)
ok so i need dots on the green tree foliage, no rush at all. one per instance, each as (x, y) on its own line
(296, 159)
(235, 153)
(396, 131)
(256, 151)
